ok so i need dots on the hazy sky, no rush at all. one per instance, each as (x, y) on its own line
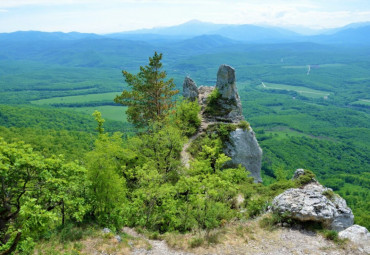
(104, 16)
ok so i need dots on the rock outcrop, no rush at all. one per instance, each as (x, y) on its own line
(313, 202)
(225, 108)
(359, 235)
(244, 149)
(190, 89)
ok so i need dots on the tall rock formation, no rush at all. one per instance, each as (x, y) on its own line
(190, 89)
(225, 108)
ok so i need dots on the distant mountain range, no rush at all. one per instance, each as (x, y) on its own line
(217, 34)
(186, 40)
(356, 33)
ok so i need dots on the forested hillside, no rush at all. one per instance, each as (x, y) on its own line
(307, 102)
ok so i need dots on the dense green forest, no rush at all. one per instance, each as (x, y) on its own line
(317, 120)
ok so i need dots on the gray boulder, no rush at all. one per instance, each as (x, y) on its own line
(298, 173)
(190, 89)
(244, 149)
(357, 234)
(313, 202)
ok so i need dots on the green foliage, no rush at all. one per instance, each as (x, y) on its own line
(99, 120)
(329, 136)
(28, 211)
(186, 117)
(150, 98)
(107, 186)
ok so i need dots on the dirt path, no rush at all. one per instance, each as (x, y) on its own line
(157, 247)
(185, 155)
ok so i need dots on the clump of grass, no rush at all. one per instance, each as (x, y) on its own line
(333, 236)
(196, 242)
(70, 233)
(329, 194)
(244, 125)
(273, 220)
(154, 235)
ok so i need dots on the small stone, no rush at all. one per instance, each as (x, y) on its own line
(118, 238)
(106, 230)
(298, 173)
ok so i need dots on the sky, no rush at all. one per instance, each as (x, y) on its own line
(107, 16)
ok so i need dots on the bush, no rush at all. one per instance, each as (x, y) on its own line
(256, 206)
(186, 117)
(305, 178)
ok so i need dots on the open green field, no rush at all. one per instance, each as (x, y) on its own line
(307, 92)
(365, 102)
(306, 66)
(78, 99)
(117, 113)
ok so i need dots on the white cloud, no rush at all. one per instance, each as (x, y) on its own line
(119, 15)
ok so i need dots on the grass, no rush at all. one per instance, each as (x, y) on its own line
(365, 102)
(307, 92)
(86, 240)
(77, 99)
(117, 113)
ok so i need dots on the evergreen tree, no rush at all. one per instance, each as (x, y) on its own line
(150, 97)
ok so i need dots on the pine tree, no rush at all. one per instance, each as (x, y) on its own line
(150, 97)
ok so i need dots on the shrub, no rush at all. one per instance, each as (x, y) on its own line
(256, 206)
(186, 117)
(305, 178)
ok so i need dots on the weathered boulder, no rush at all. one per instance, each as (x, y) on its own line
(227, 107)
(357, 234)
(243, 148)
(313, 202)
(190, 89)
